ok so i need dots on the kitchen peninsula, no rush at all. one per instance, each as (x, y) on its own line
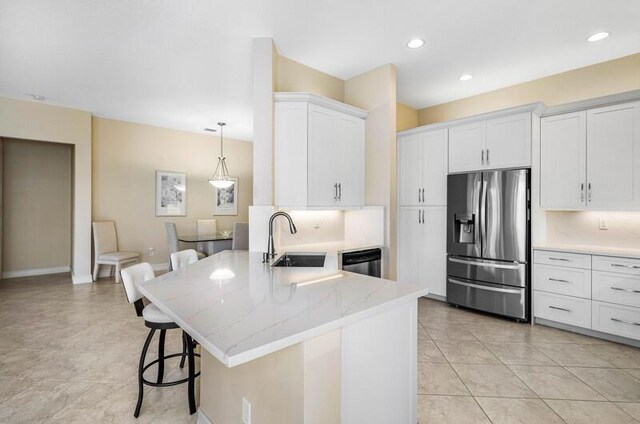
(300, 345)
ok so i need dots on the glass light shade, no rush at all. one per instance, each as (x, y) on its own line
(221, 177)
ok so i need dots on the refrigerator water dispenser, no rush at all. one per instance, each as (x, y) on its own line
(464, 228)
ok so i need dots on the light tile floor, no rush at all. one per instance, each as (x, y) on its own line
(68, 354)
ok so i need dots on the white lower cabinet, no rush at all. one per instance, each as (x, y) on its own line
(564, 309)
(616, 319)
(601, 293)
(422, 247)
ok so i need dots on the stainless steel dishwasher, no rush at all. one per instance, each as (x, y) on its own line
(367, 262)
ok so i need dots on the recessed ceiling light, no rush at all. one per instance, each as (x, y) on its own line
(415, 43)
(598, 36)
(465, 77)
(37, 97)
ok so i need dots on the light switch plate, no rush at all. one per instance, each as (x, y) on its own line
(246, 411)
(602, 224)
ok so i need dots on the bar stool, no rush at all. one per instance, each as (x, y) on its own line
(155, 320)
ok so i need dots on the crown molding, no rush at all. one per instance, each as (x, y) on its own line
(320, 101)
(612, 99)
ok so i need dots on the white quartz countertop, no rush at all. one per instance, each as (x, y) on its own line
(623, 252)
(331, 247)
(240, 309)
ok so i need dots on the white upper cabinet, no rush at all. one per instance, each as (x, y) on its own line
(503, 142)
(319, 152)
(466, 147)
(591, 159)
(422, 169)
(613, 157)
(564, 161)
(508, 142)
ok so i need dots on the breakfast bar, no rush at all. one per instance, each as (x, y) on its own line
(293, 345)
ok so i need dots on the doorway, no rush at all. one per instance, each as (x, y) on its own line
(36, 208)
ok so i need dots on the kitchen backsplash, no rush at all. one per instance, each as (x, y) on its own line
(313, 227)
(583, 228)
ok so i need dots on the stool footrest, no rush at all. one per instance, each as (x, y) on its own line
(168, 383)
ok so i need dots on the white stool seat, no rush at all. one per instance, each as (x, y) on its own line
(151, 313)
(118, 256)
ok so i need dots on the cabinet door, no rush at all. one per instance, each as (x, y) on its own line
(409, 245)
(466, 147)
(434, 241)
(351, 140)
(323, 157)
(508, 143)
(434, 153)
(563, 161)
(410, 169)
(613, 157)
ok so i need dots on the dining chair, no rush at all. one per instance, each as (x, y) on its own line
(174, 243)
(183, 258)
(155, 319)
(240, 236)
(206, 227)
(105, 246)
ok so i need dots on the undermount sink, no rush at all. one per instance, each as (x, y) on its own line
(314, 260)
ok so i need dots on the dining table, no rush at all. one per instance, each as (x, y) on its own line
(214, 243)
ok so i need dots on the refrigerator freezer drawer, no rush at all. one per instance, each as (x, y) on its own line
(498, 272)
(494, 298)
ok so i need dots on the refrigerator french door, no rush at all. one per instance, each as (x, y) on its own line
(488, 230)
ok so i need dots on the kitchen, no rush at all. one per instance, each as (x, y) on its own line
(426, 243)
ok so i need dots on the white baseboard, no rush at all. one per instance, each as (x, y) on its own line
(36, 271)
(105, 271)
(202, 419)
(81, 279)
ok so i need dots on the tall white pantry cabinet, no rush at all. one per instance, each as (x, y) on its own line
(422, 213)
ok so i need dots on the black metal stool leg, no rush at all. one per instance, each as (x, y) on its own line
(192, 372)
(141, 370)
(163, 334)
(184, 350)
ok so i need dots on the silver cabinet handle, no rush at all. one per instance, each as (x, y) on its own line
(589, 192)
(625, 321)
(625, 290)
(483, 156)
(582, 192)
(340, 191)
(559, 259)
(487, 264)
(335, 191)
(560, 309)
(419, 218)
(487, 156)
(626, 266)
(423, 195)
(558, 280)
(423, 216)
(477, 286)
(418, 195)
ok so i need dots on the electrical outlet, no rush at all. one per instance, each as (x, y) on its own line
(602, 224)
(317, 226)
(246, 411)
(151, 251)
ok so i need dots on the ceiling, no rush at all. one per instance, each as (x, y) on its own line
(187, 64)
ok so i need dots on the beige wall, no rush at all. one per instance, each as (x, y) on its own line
(582, 228)
(375, 91)
(406, 117)
(605, 78)
(296, 77)
(36, 215)
(126, 156)
(27, 120)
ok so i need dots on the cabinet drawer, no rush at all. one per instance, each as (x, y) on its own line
(615, 319)
(616, 288)
(621, 265)
(564, 309)
(562, 280)
(572, 260)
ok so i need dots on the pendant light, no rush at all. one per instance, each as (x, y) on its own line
(221, 177)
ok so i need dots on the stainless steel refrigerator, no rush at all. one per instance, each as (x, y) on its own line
(488, 247)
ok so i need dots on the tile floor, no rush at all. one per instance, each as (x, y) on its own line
(68, 354)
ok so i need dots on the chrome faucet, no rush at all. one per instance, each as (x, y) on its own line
(271, 251)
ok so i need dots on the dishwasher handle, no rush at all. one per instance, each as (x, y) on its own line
(353, 258)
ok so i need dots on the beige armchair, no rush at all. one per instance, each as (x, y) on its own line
(105, 244)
